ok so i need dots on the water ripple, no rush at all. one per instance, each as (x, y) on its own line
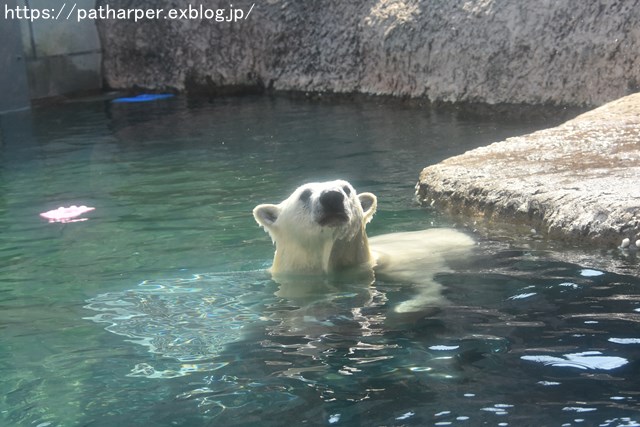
(190, 320)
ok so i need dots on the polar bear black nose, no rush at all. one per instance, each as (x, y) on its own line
(332, 200)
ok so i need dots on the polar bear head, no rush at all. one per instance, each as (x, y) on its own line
(320, 228)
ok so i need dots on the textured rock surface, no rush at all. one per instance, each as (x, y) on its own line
(561, 52)
(579, 181)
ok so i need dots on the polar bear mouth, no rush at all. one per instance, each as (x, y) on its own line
(333, 219)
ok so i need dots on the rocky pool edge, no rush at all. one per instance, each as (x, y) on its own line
(578, 182)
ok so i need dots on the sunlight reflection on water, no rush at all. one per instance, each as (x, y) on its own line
(585, 360)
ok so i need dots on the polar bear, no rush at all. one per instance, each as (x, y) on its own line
(320, 230)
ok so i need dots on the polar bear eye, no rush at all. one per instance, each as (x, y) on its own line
(346, 190)
(305, 195)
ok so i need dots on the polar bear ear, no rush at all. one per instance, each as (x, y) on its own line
(369, 203)
(266, 215)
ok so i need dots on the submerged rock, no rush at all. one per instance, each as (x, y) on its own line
(578, 182)
(560, 52)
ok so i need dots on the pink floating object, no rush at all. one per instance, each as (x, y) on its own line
(69, 214)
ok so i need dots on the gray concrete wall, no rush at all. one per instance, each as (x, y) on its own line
(14, 92)
(56, 56)
(63, 55)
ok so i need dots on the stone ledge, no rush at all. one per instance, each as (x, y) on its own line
(578, 182)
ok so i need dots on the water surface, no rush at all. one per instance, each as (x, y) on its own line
(158, 311)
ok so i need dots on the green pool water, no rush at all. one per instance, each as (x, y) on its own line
(158, 310)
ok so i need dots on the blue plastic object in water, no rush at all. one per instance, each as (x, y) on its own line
(145, 97)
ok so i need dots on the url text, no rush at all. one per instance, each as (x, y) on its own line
(72, 12)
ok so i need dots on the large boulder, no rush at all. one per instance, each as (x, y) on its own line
(578, 182)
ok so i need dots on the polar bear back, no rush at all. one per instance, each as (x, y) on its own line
(415, 257)
(415, 250)
(420, 243)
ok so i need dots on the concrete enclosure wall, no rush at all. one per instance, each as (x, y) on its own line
(494, 51)
(62, 56)
(13, 80)
(549, 51)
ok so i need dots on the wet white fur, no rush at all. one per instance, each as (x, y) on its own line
(304, 247)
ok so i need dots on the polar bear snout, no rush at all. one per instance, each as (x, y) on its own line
(332, 199)
(332, 208)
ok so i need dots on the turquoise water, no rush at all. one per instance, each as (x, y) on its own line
(157, 310)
